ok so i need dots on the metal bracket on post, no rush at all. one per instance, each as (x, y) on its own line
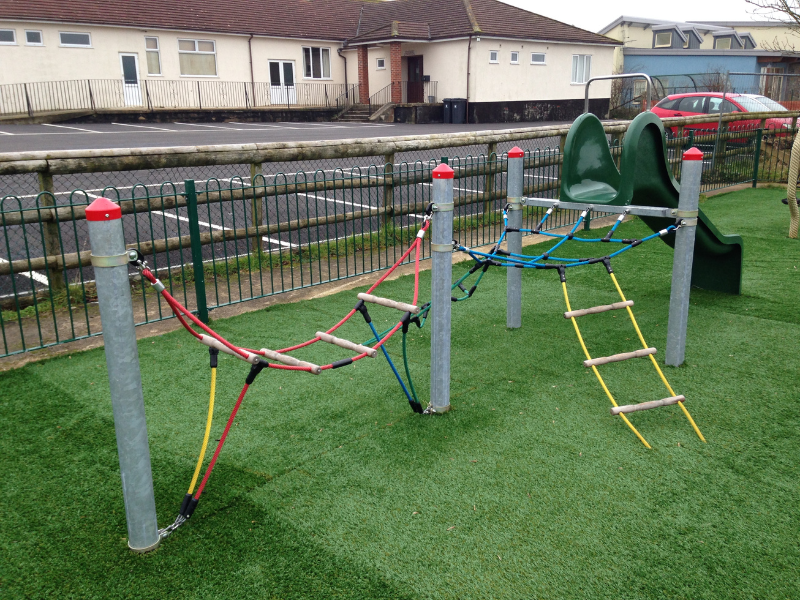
(514, 238)
(110, 261)
(441, 277)
(691, 172)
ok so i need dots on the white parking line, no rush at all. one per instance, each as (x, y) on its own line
(458, 188)
(209, 126)
(31, 275)
(348, 203)
(143, 127)
(221, 228)
(68, 127)
(6, 133)
(263, 126)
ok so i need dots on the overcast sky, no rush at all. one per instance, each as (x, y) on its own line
(594, 14)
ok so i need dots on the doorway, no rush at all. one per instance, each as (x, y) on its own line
(131, 92)
(281, 82)
(416, 92)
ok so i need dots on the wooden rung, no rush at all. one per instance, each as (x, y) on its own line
(389, 303)
(290, 360)
(326, 337)
(629, 408)
(597, 309)
(618, 357)
(213, 343)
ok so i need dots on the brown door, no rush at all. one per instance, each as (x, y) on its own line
(415, 91)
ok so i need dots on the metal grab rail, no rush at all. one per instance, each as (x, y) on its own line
(645, 76)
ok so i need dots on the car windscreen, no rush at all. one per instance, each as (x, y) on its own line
(751, 104)
(770, 103)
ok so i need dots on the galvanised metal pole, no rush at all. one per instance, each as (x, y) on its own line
(110, 262)
(514, 238)
(441, 277)
(691, 172)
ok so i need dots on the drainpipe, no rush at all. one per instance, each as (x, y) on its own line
(469, 47)
(344, 58)
(252, 78)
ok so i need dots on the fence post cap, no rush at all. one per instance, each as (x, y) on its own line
(103, 209)
(693, 154)
(516, 152)
(443, 171)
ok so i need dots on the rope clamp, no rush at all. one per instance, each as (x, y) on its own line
(117, 260)
(686, 214)
(443, 207)
(514, 203)
(689, 222)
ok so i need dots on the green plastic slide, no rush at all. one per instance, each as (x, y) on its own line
(645, 178)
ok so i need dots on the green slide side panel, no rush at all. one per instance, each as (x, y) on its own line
(646, 180)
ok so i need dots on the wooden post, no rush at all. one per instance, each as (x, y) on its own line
(491, 179)
(50, 230)
(258, 207)
(388, 188)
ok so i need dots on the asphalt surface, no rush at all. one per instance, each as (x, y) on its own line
(66, 136)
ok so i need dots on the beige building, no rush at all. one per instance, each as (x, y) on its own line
(298, 52)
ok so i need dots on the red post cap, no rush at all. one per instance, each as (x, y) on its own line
(693, 154)
(443, 171)
(103, 209)
(516, 152)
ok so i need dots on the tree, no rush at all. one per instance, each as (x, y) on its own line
(786, 12)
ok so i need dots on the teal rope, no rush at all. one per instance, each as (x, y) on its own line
(408, 373)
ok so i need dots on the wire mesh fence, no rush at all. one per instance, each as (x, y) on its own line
(218, 235)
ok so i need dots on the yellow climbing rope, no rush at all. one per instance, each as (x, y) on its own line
(208, 431)
(644, 345)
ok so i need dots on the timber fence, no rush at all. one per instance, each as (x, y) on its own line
(227, 224)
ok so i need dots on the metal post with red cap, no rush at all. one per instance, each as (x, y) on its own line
(514, 236)
(441, 281)
(688, 203)
(110, 263)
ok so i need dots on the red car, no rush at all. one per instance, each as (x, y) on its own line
(708, 103)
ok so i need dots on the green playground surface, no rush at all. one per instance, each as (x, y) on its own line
(330, 487)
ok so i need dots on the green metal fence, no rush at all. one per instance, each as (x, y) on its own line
(218, 241)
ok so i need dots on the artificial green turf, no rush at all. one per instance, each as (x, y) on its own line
(330, 487)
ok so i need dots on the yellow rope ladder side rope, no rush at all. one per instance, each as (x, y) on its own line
(596, 372)
(653, 360)
(207, 433)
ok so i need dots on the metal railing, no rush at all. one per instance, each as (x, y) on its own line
(404, 92)
(30, 99)
(230, 225)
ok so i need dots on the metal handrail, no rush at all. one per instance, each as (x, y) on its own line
(645, 76)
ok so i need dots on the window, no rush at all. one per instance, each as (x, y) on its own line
(692, 104)
(8, 36)
(688, 39)
(515, 58)
(381, 63)
(722, 43)
(727, 107)
(581, 68)
(198, 58)
(153, 56)
(75, 40)
(33, 38)
(668, 104)
(494, 56)
(317, 63)
(663, 40)
(538, 58)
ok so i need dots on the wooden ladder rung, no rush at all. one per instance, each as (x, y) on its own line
(597, 309)
(326, 337)
(402, 306)
(290, 360)
(618, 357)
(629, 408)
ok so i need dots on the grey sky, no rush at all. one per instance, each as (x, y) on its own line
(594, 14)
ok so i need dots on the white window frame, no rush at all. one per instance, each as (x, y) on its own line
(513, 61)
(579, 74)
(378, 62)
(41, 37)
(157, 50)
(321, 64)
(542, 54)
(723, 39)
(63, 45)
(196, 51)
(496, 60)
(14, 43)
(655, 39)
